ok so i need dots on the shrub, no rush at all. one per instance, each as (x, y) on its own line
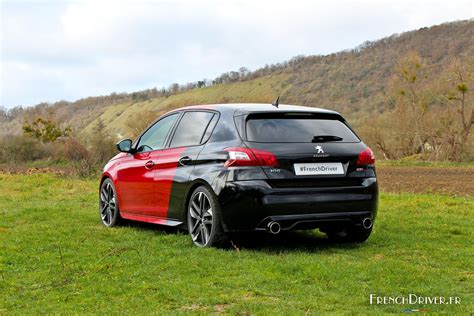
(73, 150)
(84, 168)
(19, 148)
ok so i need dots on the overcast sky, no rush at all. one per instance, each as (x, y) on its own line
(53, 50)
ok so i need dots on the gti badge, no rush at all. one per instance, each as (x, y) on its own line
(319, 150)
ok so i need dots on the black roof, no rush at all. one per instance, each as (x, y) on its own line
(245, 108)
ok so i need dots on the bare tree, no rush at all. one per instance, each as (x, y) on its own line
(411, 72)
(461, 99)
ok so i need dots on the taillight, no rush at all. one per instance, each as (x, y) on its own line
(366, 157)
(240, 156)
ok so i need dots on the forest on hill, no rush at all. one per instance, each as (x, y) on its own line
(408, 95)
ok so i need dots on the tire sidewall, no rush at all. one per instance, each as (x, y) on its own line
(216, 229)
(116, 217)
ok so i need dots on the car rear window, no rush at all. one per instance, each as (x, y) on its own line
(297, 128)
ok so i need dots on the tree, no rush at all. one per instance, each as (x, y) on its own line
(102, 146)
(429, 118)
(174, 88)
(412, 71)
(3, 114)
(244, 72)
(44, 130)
(459, 98)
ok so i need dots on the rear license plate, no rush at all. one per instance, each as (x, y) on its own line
(309, 169)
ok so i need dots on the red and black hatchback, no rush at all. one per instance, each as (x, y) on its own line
(215, 169)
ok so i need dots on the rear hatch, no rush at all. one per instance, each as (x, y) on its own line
(311, 149)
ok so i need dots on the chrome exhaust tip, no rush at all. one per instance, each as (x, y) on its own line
(274, 227)
(367, 223)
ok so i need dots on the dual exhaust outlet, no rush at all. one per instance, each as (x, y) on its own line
(275, 227)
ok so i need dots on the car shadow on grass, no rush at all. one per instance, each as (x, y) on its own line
(310, 241)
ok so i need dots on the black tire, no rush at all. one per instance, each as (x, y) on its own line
(350, 234)
(204, 219)
(108, 204)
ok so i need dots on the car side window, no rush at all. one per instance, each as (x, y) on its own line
(191, 128)
(154, 138)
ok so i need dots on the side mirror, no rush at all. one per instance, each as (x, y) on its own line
(125, 146)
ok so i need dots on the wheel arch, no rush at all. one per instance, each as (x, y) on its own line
(103, 177)
(106, 176)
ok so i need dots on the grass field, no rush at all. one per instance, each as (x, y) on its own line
(56, 257)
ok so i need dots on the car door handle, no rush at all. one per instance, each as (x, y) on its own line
(149, 165)
(186, 160)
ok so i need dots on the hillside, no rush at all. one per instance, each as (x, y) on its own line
(353, 82)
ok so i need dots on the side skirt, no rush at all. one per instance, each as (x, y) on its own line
(150, 219)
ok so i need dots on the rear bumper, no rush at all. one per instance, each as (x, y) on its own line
(251, 205)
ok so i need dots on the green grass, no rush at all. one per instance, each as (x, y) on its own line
(56, 257)
(40, 163)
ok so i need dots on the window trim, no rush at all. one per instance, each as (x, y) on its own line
(137, 141)
(168, 142)
(210, 128)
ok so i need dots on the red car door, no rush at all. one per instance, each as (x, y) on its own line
(136, 183)
(136, 174)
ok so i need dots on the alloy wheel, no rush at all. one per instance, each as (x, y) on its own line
(108, 204)
(200, 215)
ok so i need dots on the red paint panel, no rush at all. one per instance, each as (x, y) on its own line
(135, 183)
(142, 191)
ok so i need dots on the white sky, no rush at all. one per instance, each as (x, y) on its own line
(53, 50)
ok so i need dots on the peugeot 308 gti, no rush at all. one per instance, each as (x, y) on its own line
(216, 169)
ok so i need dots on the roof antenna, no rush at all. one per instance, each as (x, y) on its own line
(275, 103)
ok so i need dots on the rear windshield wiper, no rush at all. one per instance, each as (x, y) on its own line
(326, 138)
